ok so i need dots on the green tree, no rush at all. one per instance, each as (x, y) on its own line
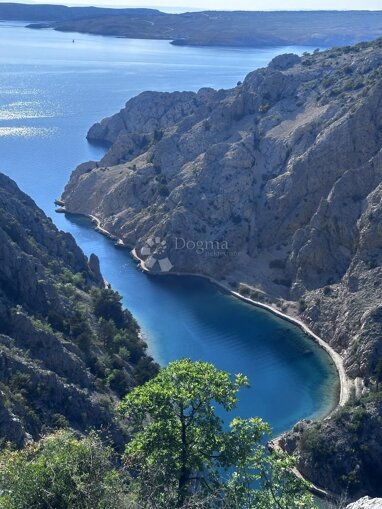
(80, 330)
(182, 452)
(107, 304)
(61, 472)
(107, 332)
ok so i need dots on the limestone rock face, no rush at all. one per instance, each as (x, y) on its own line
(283, 170)
(276, 183)
(366, 503)
(284, 62)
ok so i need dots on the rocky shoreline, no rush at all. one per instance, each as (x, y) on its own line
(345, 384)
(280, 178)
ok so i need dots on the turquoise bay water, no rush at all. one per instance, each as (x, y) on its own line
(51, 91)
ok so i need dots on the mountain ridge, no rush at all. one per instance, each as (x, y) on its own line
(285, 170)
(206, 28)
(53, 13)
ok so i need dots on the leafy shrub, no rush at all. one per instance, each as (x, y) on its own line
(80, 330)
(356, 419)
(107, 304)
(183, 456)
(313, 442)
(327, 290)
(57, 321)
(76, 279)
(119, 382)
(60, 472)
(59, 421)
(20, 382)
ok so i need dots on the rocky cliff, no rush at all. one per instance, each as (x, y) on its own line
(366, 503)
(273, 186)
(56, 368)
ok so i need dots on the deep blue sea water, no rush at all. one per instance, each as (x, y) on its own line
(51, 91)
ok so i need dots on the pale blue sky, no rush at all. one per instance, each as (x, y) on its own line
(228, 5)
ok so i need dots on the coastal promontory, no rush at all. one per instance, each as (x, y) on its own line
(274, 188)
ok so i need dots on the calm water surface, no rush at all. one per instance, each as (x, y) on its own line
(51, 92)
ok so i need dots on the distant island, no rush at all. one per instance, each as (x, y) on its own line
(208, 28)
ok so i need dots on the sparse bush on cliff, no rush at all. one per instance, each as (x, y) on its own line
(313, 442)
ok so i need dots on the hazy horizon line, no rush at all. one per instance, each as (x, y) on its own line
(184, 9)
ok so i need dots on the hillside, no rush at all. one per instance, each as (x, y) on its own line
(46, 12)
(209, 28)
(273, 187)
(219, 28)
(67, 349)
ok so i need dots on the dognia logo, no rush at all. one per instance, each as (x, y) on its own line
(206, 247)
(154, 249)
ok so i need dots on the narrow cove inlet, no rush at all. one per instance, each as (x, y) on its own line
(52, 91)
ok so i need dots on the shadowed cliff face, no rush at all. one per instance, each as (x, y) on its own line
(56, 367)
(277, 184)
(342, 453)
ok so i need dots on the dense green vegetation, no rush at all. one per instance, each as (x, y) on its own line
(181, 455)
(118, 332)
(180, 443)
(61, 472)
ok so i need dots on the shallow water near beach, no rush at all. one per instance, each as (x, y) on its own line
(51, 91)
